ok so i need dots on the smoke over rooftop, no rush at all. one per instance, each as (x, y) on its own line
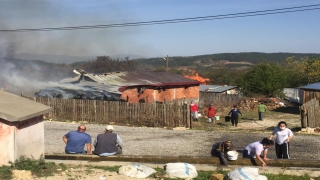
(45, 14)
(30, 76)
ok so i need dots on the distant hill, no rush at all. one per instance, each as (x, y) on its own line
(60, 59)
(214, 60)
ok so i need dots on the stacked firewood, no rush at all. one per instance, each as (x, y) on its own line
(251, 104)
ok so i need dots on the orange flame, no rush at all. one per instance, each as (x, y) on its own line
(195, 76)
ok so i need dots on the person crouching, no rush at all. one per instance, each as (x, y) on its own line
(220, 150)
(108, 143)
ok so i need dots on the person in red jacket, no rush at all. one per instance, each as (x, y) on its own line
(194, 111)
(211, 110)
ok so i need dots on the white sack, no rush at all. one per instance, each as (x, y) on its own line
(246, 173)
(136, 170)
(181, 170)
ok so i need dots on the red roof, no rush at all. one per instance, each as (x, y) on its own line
(138, 78)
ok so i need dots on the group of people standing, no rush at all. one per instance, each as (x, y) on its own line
(105, 144)
(259, 149)
(210, 111)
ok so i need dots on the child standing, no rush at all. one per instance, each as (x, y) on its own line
(284, 135)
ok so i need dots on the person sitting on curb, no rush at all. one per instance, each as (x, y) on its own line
(220, 150)
(255, 149)
(108, 143)
(75, 141)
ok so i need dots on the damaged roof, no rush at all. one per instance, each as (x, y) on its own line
(215, 88)
(122, 80)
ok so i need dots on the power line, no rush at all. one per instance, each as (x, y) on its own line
(175, 63)
(183, 20)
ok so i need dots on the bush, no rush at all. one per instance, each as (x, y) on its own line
(38, 167)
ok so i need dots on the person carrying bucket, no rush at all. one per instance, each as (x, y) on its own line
(211, 110)
(221, 149)
(234, 112)
(194, 111)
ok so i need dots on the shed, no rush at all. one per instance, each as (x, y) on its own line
(218, 95)
(310, 110)
(311, 91)
(224, 89)
(21, 127)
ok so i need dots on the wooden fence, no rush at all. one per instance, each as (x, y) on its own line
(123, 113)
(310, 114)
(218, 99)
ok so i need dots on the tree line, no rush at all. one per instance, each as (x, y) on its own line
(269, 78)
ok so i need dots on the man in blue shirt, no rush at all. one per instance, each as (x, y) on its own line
(76, 140)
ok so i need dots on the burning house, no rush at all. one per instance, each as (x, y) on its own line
(125, 86)
(195, 76)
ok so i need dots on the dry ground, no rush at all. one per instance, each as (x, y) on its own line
(249, 120)
(143, 140)
(88, 174)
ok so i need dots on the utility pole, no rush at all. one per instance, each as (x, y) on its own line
(167, 59)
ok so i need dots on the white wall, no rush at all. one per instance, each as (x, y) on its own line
(293, 95)
(21, 138)
(6, 143)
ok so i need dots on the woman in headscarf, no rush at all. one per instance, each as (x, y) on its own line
(194, 111)
(220, 150)
(211, 110)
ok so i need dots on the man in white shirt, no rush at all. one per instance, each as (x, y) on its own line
(255, 149)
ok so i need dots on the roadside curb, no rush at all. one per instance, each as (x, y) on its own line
(296, 171)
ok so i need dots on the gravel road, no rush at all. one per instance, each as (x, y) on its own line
(165, 142)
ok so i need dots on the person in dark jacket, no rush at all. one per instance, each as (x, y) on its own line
(108, 143)
(220, 150)
(235, 115)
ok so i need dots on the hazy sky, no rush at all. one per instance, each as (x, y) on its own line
(297, 32)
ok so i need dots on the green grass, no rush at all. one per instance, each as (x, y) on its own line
(205, 175)
(288, 177)
(63, 166)
(5, 172)
(106, 168)
(41, 168)
(38, 167)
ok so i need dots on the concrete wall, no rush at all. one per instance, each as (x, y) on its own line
(153, 95)
(6, 142)
(21, 138)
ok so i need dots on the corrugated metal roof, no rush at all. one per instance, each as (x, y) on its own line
(215, 88)
(315, 86)
(122, 80)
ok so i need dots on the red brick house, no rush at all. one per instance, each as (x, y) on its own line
(146, 86)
